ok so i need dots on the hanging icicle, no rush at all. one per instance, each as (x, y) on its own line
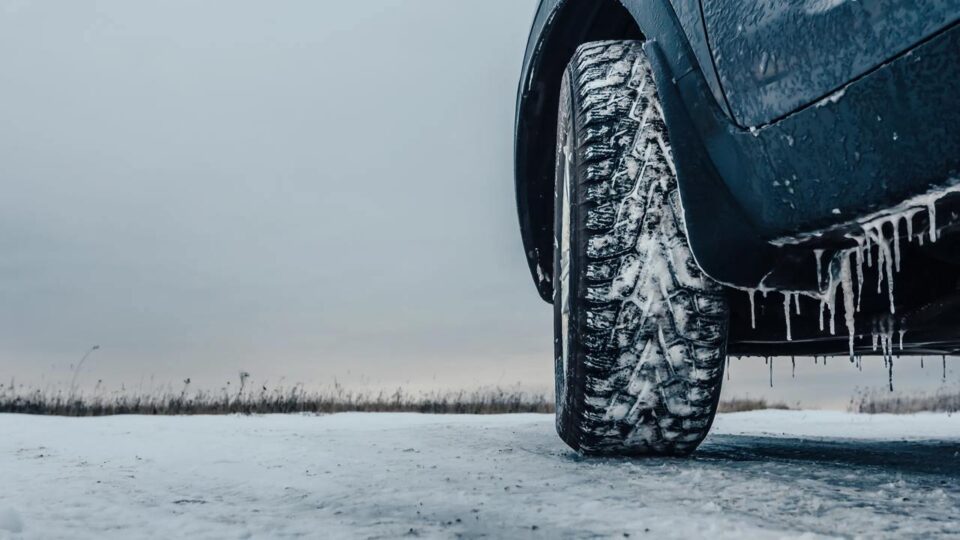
(848, 308)
(859, 253)
(895, 221)
(823, 306)
(787, 296)
(818, 253)
(932, 215)
(890, 373)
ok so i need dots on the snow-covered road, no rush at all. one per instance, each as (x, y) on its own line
(769, 474)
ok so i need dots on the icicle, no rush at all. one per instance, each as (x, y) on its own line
(883, 348)
(796, 302)
(932, 213)
(753, 308)
(880, 254)
(885, 267)
(832, 304)
(889, 267)
(902, 332)
(823, 304)
(896, 241)
(909, 218)
(869, 250)
(943, 358)
(921, 362)
(859, 272)
(875, 336)
(728, 368)
(848, 310)
(793, 367)
(771, 373)
(786, 312)
(890, 373)
(818, 253)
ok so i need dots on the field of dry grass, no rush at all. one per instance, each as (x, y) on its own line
(747, 404)
(245, 399)
(944, 401)
(264, 400)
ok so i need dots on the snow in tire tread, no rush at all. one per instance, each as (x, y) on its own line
(651, 326)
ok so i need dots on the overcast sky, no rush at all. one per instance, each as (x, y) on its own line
(303, 190)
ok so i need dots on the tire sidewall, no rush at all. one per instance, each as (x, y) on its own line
(569, 393)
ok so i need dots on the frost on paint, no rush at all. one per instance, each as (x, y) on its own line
(883, 233)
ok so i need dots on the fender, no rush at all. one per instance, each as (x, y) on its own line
(693, 105)
(712, 217)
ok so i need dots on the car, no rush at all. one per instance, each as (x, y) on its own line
(700, 179)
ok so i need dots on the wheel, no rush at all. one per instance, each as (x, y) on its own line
(640, 331)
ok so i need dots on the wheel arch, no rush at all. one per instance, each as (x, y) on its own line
(672, 31)
(558, 29)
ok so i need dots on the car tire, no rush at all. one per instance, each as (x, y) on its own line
(640, 331)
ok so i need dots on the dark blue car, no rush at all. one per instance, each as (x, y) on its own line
(704, 178)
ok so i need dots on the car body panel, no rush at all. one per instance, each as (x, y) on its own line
(690, 20)
(886, 135)
(881, 139)
(774, 56)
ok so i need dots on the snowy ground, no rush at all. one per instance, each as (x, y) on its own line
(770, 474)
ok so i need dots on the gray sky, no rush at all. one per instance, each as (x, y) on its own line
(304, 190)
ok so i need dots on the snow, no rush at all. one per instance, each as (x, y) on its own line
(10, 521)
(819, 7)
(834, 97)
(765, 474)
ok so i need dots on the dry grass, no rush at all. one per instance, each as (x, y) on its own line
(242, 399)
(747, 404)
(263, 400)
(873, 402)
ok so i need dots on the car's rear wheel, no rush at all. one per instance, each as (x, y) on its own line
(640, 330)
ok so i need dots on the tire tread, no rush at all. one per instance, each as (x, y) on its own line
(650, 326)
